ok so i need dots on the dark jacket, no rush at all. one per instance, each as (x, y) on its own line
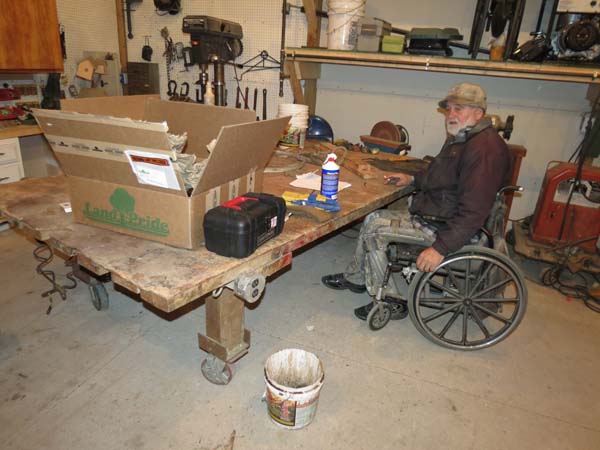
(457, 190)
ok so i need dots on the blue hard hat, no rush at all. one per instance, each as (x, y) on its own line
(319, 128)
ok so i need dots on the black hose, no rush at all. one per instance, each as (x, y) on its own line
(552, 277)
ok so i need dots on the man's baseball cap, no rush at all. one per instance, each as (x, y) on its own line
(465, 94)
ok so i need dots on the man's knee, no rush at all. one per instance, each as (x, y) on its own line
(380, 219)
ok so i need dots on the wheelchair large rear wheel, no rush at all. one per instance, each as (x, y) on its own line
(475, 298)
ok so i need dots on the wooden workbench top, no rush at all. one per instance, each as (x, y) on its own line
(19, 131)
(164, 276)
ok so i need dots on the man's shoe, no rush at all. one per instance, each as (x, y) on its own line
(363, 311)
(339, 282)
(399, 311)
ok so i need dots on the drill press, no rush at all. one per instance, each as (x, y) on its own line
(217, 42)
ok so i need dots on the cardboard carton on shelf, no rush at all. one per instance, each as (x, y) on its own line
(116, 155)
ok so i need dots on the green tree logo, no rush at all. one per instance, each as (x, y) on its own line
(121, 201)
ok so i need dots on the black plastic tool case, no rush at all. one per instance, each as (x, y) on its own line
(238, 227)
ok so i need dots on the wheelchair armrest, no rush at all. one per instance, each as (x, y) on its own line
(507, 189)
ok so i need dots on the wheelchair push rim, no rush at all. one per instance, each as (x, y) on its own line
(454, 306)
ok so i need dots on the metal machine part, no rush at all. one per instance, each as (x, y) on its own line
(572, 31)
(577, 36)
(214, 41)
(496, 15)
(505, 127)
(390, 131)
(568, 212)
(565, 227)
(432, 41)
(168, 6)
(581, 6)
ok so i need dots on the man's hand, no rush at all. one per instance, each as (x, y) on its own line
(429, 259)
(400, 179)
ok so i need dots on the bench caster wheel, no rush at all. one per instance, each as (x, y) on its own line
(98, 295)
(379, 316)
(216, 371)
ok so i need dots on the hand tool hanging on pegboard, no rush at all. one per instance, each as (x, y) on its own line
(238, 104)
(128, 12)
(167, 7)
(147, 49)
(254, 102)
(169, 52)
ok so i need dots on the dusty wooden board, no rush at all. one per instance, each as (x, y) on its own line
(164, 276)
(19, 131)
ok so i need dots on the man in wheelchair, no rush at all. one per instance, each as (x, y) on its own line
(452, 200)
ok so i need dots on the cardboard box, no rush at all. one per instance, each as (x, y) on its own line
(92, 138)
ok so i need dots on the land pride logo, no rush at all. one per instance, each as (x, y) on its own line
(124, 216)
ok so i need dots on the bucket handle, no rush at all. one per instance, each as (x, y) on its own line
(351, 11)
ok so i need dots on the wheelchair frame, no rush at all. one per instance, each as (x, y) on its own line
(470, 285)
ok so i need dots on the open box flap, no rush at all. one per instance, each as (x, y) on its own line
(131, 106)
(241, 149)
(103, 129)
(201, 122)
(93, 147)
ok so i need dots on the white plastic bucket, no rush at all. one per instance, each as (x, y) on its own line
(295, 132)
(294, 379)
(342, 24)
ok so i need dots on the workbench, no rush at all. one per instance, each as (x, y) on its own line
(168, 278)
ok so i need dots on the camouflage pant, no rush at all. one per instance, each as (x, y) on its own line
(378, 230)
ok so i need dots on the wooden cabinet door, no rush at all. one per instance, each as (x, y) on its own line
(29, 36)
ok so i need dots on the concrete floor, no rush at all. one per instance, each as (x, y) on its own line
(127, 378)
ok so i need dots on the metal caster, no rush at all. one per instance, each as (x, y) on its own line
(99, 296)
(216, 371)
(379, 316)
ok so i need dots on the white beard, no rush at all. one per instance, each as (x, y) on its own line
(453, 127)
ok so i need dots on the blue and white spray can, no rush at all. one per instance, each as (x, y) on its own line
(330, 175)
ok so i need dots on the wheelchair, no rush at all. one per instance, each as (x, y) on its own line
(474, 299)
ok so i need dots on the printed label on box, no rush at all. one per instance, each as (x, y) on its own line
(153, 169)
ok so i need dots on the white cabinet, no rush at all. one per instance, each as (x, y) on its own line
(11, 165)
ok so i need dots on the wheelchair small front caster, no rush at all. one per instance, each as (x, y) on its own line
(379, 316)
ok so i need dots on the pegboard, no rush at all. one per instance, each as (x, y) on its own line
(89, 25)
(261, 26)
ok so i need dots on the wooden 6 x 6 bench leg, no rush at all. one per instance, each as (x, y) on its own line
(226, 339)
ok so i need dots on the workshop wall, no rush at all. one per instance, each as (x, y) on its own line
(261, 26)
(89, 25)
(548, 115)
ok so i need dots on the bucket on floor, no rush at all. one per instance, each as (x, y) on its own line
(294, 379)
(342, 24)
